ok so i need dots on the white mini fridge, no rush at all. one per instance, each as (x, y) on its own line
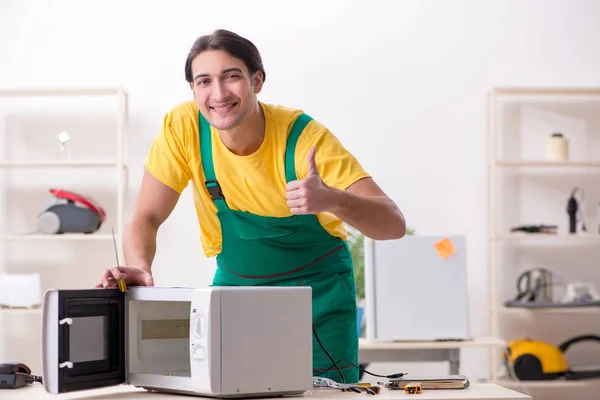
(416, 289)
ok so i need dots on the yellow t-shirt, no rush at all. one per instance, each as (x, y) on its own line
(254, 183)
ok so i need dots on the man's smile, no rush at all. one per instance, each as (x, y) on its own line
(223, 109)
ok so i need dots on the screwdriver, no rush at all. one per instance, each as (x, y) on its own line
(120, 282)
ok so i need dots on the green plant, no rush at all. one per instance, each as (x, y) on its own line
(356, 241)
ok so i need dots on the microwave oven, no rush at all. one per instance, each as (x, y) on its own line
(213, 341)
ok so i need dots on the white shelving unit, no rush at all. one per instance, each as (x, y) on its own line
(42, 237)
(22, 311)
(562, 164)
(526, 189)
(50, 164)
(118, 163)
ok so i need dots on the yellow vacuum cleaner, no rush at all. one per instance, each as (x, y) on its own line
(530, 360)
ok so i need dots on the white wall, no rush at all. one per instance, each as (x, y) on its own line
(402, 83)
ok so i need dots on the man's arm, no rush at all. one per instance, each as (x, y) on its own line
(154, 204)
(367, 208)
(362, 205)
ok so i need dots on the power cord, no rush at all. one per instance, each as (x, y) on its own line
(337, 368)
(34, 378)
(392, 376)
(328, 355)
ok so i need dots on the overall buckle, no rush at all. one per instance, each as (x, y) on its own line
(214, 189)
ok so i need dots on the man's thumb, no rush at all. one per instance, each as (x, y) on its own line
(312, 163)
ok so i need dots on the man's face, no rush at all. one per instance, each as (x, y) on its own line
(223, 88)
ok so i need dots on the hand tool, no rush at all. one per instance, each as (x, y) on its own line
(120, 282)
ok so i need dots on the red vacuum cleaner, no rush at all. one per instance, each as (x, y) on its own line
(70, 213)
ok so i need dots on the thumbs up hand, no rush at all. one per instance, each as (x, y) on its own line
(312, 162)
(309, 195)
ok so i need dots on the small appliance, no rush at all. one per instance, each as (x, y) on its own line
(529, 359)
(20, 290)
(534, 285)
(534, 290)
(14, 375)
(574, 208)
(70, 212)
(580, 292)
(215, 341)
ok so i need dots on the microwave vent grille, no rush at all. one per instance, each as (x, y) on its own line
(165, 329)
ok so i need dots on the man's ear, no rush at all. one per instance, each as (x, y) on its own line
(257, 82)
(193, 91)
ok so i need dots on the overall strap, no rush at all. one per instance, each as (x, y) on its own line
(290, 149)
(211, 183)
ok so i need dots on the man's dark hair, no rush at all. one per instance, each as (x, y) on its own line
(230, 42)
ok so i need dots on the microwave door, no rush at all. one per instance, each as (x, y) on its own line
(83, 339)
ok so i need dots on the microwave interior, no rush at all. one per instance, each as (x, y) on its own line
(97, 348)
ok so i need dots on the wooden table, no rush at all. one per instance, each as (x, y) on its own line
(481, 391)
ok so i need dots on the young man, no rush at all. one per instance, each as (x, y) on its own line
(272, 188)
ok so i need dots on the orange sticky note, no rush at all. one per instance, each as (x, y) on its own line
(445, 248)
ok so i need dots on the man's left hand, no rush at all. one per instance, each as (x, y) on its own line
(309, 195)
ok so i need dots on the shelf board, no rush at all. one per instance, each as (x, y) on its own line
(365, 344)
(550, 238)
(546, 91)
(15, 92)
(65, 236)
(558, 310)
(560, 383)
(21, 311)
(552, 164)
(50, 163)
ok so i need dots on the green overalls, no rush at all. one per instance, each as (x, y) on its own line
(290, 251)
